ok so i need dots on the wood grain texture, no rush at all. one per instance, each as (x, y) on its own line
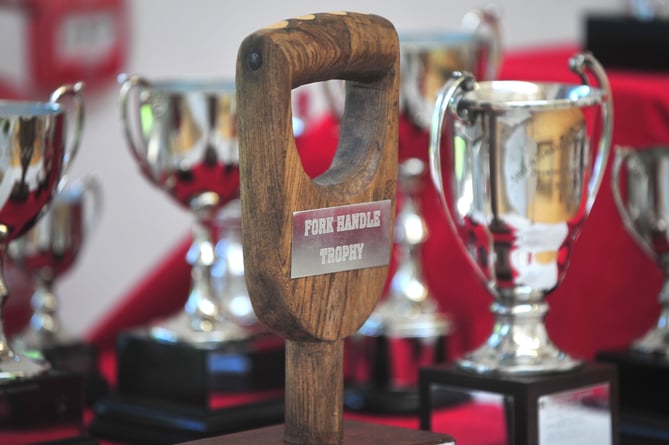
(314, 313)
(313, 367)
(271, 62)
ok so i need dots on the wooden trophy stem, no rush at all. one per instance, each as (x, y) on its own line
(314, 392)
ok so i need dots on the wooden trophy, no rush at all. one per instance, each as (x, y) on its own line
(316, 252)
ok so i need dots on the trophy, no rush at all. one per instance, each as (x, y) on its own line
(644, 210)
(183, 135)
(522, 163)
(405, 331)
(228, 278)
(429, 59)
(379, 380)
(45, 253)
(316, 253)
(229, 284)
(33, 155)
(640, 187)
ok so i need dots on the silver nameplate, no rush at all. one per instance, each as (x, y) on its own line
(336, 239)
(576, 417)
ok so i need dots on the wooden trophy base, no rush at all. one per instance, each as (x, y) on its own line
(355, 433)
(644, 414)
(579, 406)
